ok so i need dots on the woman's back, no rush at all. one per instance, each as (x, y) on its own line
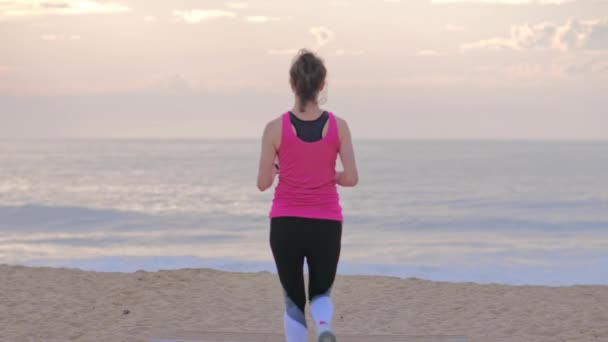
(307, 177)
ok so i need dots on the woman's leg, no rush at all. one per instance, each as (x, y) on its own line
(322, 256)
(286, 245)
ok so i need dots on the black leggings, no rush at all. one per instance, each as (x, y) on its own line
(318, 240)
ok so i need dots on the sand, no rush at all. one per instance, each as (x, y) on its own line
(46, 304)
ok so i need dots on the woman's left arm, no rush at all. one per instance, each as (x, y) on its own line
(266, 171)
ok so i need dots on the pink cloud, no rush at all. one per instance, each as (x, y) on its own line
(573, 34)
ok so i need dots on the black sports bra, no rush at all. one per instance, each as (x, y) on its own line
(309, 131)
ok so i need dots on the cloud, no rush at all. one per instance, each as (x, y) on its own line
(427, 53)
(237, 5)
(196, 15)
(597, 39)
(55, 5)
(60, 37)
(340, 3)
(526, 72)
(453, 28)
(585, 66)
(504, 2)
(176, 84)
(283, 52)
(29, 9)
(594, 64)
(260, 19)
(322, 35)
(574, 34)
(345, 52)
(293, 51)
(4, 70)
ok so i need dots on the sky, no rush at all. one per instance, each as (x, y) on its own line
(410, 69)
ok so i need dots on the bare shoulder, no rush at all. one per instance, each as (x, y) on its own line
(275, 123)
(272, 131)
(341, 122)
(273, 126)
(343, 129)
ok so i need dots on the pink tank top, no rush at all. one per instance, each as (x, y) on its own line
(307, 175)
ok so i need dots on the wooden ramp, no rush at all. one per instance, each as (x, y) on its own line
(200, 336)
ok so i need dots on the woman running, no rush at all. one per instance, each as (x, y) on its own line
(306, 216)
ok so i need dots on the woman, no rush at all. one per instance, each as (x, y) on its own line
(306, 216)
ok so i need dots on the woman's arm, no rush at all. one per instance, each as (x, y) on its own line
(350, 175)
(267, 171)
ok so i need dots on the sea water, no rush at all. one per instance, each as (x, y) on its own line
(513, 212)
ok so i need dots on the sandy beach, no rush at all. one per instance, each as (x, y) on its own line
(42, 303)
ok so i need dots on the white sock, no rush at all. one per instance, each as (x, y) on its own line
(321, 310)
(294, 330)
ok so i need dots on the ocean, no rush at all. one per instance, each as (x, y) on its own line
(510, 212)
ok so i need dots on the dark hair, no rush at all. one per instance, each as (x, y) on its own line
(307, 73)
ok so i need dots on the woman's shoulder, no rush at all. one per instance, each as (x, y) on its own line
(341, 123)
(274, 124)
(339, 119)
(272, 130)
(343, 130)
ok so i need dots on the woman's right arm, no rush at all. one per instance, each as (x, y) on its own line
(350, 175)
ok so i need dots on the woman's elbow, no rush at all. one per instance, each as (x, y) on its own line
(354, 180)
(350, 180)
(262, 185)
